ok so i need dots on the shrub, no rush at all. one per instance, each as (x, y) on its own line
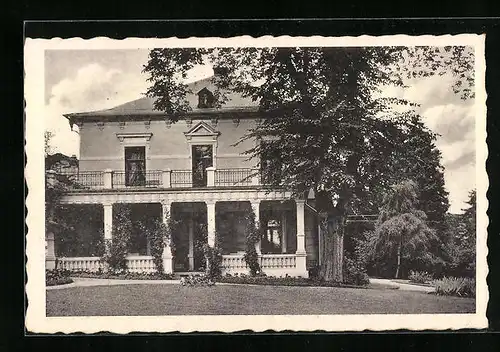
(252, 236)
(117, 248)
(314, 271)
(213, 256)
(456, 286)
(158, 234)
(197, 280)
(57, 277)
(123, 275)
(420, 277)
(354, 273)
(280, 281)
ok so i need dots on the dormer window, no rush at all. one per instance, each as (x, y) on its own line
(205, 99)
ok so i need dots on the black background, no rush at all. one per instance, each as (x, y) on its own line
(14, 188)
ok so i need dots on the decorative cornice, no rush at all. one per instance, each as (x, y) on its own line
(146, 136)
(100, 125)
(122, 124)
(172, 196)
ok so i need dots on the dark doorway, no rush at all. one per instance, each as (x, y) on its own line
(202, 159)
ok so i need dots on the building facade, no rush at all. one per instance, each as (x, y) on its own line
(195, 171)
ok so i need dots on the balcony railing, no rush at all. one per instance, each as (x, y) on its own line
(181, 178)
(83, 180)
(233, 177)
(110, 179)
(122, 179)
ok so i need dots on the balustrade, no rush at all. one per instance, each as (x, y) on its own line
(156, 179)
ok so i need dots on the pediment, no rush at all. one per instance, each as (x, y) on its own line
(201, 129)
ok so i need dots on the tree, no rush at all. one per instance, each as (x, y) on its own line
(401, 227)
(461, 245)
(47, 138)
(330, 131)
(425, 61)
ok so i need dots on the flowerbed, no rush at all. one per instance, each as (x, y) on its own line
(456, 286)
(420, 277)
(281, 281)
(197, 280)
(57, 277)
(122, 275)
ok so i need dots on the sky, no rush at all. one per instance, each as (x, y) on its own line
(86, 80)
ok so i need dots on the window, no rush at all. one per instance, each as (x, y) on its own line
(205, 99)
(135, 166)
(202, 158)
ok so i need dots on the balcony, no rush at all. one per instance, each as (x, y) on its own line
(110, 179)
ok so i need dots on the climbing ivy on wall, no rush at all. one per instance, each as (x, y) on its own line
(252, 236)
(158, 234)
(116, 252)
(213, 257)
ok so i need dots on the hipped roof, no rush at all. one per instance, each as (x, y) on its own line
(144, 107)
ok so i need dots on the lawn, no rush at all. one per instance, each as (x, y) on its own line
(151, 300)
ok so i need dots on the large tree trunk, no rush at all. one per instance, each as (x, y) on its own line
(332, 250)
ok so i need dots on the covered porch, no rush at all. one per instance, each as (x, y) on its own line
(287, 229)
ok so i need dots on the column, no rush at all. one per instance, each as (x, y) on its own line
(50, 256)
(167, 178)
(256, 176)
(256, 210)
(210, 176)
(108, 179)
(191, 244)
(167, 250)
(211, 223)
(108, 221)
(301, 255)
(300, 227)
(283, 232)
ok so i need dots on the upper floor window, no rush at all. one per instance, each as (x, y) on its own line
(205, 99)
(135, 166)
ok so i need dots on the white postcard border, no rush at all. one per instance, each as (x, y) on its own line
(36, 321)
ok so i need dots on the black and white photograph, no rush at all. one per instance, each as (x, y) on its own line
(224, 184)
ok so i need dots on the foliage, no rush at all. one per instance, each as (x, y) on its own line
(57, 277)
(55, 187)
(420, 277)
(354, 273)
(252, 237)
(213, 256)
(456, 286)
(461, 245)
(157, 233)
(331, 132)
(123, 275)
(197, 280)
(47, 136)
(427, 61)
(82, 233)
(281, 281)
(401, 230)
(116, 252)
